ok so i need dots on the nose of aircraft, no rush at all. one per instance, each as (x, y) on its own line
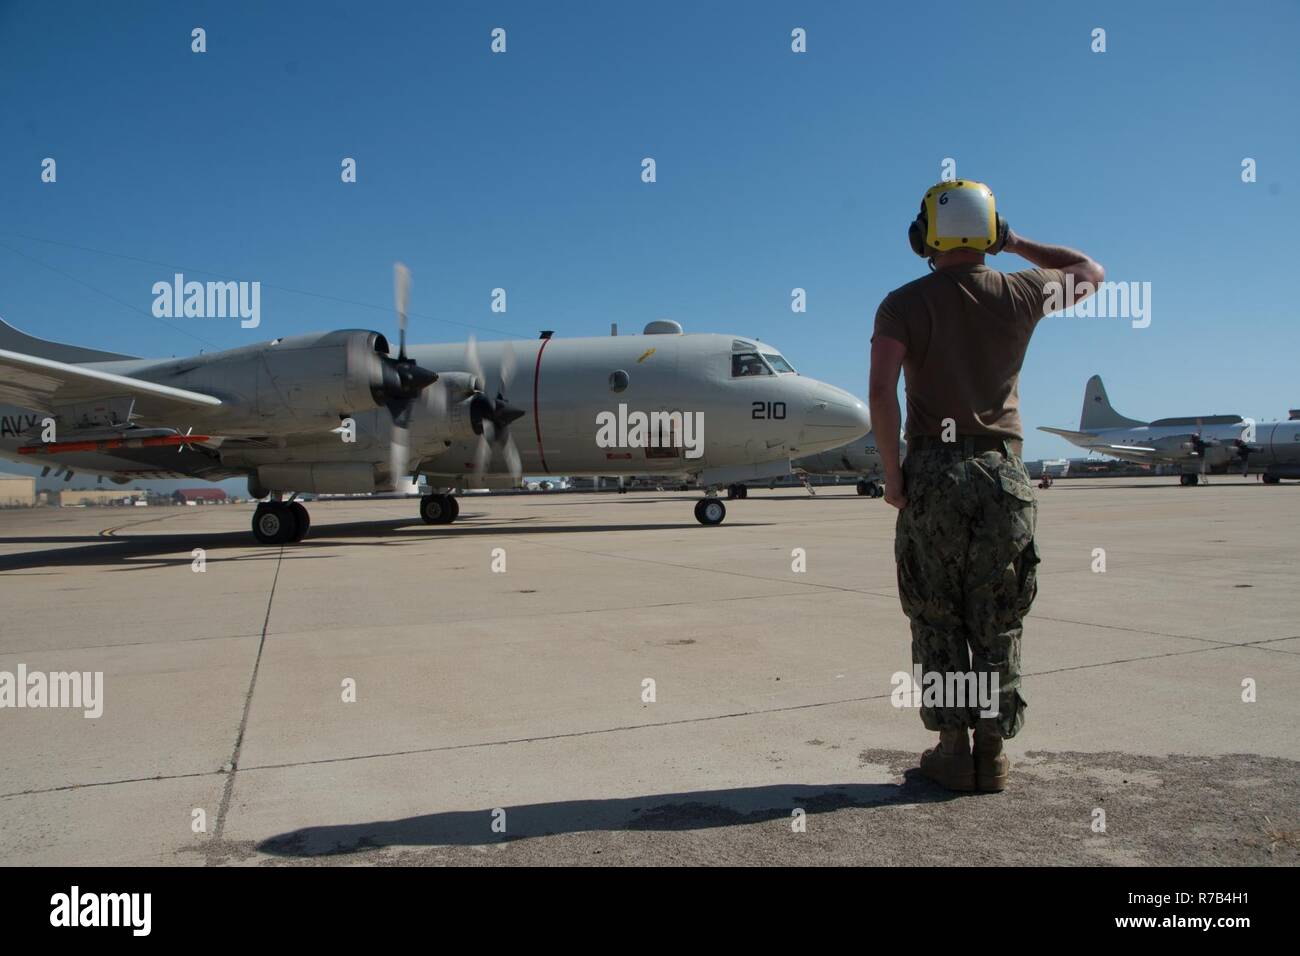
(832, 418)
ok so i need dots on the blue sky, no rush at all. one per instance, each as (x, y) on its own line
(775, 170)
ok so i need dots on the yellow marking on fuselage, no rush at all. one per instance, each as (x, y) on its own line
(645, 355)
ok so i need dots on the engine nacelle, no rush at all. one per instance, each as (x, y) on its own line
(322, 376)
(314, 378)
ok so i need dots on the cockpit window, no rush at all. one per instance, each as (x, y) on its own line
(777, 362)
(748, 363)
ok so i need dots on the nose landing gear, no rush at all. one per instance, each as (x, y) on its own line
(710, 511)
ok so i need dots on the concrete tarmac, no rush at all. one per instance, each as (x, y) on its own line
(502, 713)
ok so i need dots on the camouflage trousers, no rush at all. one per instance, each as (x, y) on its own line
(967, 573)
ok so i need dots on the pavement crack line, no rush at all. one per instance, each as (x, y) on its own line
(598, 731)
(228, 790)
(787, 708)
(757, 712)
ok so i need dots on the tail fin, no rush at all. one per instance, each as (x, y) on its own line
(15, 341)
(1097, 410)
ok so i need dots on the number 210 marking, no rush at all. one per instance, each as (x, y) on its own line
(768, 410)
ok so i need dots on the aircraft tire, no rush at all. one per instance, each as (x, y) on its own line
(733, 491)
(302, 520)
(865, 489)
(710, 511)
(1272, 480)
(744, 491)
(274, 523)
(438, 509)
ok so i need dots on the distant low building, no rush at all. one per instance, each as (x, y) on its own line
(90, 497)
(17, 491)
(199, 496)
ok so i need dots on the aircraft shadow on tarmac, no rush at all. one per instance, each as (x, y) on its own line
(695, 810)
(141, 551)
(1116, 484)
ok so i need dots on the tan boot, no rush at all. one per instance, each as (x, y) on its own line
(950, 764)
(991, 764)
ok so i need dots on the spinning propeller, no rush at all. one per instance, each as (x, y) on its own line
(491, 418)
(402, 382)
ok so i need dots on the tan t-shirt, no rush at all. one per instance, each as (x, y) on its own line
(966, 330)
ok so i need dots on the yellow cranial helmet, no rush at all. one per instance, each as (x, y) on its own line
(957, 215)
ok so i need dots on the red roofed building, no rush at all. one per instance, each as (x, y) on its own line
(199, 496)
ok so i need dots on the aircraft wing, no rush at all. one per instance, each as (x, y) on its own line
(44, 384)
(1142, 454)
(1137, 453)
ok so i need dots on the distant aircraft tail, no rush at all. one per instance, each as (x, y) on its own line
(1097, 410)
(16, 341)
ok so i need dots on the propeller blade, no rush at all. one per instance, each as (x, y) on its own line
(435, 399)
(482, 452)
(399, 462)
(473, 365)
(511, 455)
(507, 367)
(401, 295)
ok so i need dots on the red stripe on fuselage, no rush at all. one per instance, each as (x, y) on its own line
(537, 417)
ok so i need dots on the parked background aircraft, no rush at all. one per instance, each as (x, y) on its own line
(859, 458)
(336, 412)
(1197, 444)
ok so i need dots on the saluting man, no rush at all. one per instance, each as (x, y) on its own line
(964, 541)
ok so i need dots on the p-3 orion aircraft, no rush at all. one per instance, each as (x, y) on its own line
(1197, 445)
(860, 459)
(337, 412)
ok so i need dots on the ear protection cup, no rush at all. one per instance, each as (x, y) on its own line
(1001, 240)
(916, 234)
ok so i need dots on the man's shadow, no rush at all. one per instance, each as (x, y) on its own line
(693, 810)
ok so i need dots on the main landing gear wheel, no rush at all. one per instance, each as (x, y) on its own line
(274, 522)
(439, 509)
(1187, 480)
(710, 511)
(870, 489)
(302, 518)
(737, 491)
(1272, 480)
